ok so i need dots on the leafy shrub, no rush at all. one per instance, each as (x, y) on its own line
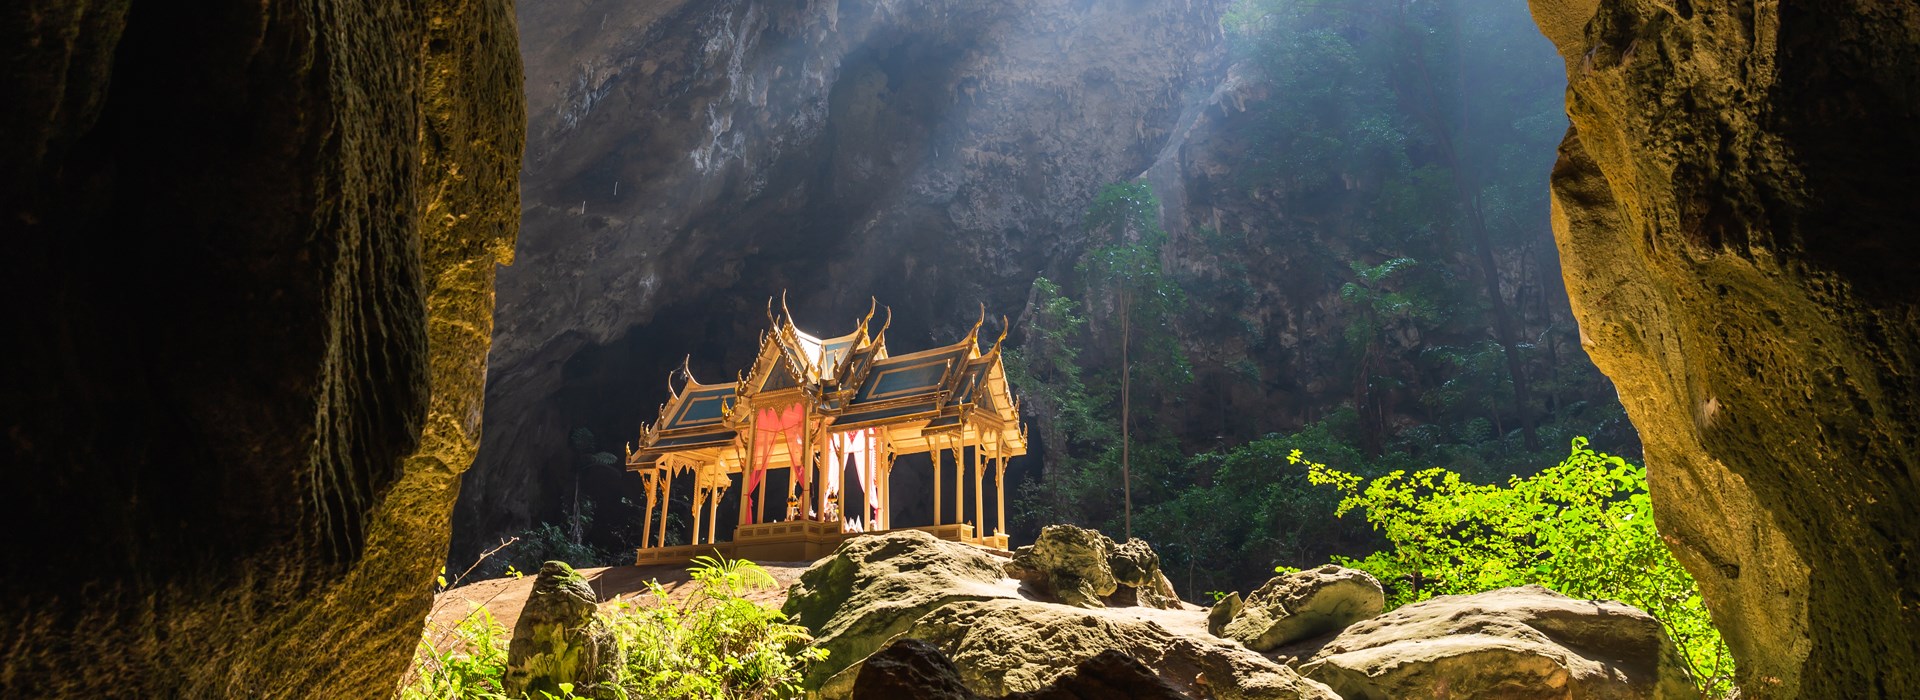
(468, 660)
(1583, 528)
(714, 644)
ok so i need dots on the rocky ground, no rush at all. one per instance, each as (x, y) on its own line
(504, 597)
(1076, 615)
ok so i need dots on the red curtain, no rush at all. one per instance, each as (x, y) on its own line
(769, 424)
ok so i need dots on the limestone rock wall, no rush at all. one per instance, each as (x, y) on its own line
(1735, 212)
(687, 160)
(249, 271)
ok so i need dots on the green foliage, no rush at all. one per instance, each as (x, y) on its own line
(1583, 528)
(548, 542)
(1125, 272)
(468, 660)
(714, 644)
(1069, 366)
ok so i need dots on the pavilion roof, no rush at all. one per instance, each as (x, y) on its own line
(848, 381)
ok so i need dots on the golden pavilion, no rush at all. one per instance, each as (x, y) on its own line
(835, 413)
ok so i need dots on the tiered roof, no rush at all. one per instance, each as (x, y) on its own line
(847, 382)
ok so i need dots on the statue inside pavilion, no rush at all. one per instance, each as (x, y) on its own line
(835, 414)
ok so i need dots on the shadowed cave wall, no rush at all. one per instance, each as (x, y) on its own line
(248, 293)
(1736, 215)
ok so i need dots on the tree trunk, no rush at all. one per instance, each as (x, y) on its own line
(1126, 402)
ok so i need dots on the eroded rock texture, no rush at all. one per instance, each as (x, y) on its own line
(250, 255)
(879, 589)
(560, 644)
(1300, 605)
(1735, 210)
(1518, 643)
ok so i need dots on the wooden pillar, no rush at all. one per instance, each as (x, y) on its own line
(886, 484)
(817, 460)
(959, 478)
(746, 469)
(699, 505)
(713, 511)
(979, 496)
(936, 454)
(652, 485)
(666, 493)
(886, 493)
(1000, 485)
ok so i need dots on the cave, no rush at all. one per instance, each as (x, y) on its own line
(274, 266)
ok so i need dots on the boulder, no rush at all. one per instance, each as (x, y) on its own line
(1109, 675)
(1302, 605)
(880, 589)
(560, 640)
(1525, 642)
(1223, 612)
(874, 587)
(910, 668)
(1136, 567)
(1069, 564)
(1085, 569)
(1010, 645)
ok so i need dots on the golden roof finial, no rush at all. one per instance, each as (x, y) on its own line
(1001, 339)
(974, 333)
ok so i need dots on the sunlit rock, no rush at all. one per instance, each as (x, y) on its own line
(558, 641)
(1518, 643)
(1735, 214)
(1068, 564)
(1304, 604)
(874, 588)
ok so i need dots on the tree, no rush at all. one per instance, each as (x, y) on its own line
(1126, 271)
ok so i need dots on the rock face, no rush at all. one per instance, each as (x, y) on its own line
(1304, 604)
(1734, 210)
(911, 668)
(935, 154)
(558, 639)
(1513, 643)
(251, 249)
(1083, 568)
(874, 588)
(1006, 646)
(908, 585)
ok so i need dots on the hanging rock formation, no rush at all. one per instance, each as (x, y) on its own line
(250, 255)
(1735, 211)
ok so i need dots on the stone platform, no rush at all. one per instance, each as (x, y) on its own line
(800, 540)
